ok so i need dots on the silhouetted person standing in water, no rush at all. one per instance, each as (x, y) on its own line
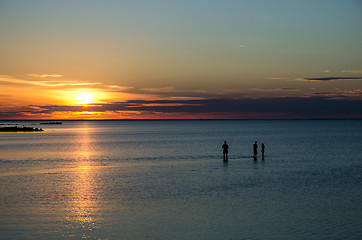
(262, 149)
(255, 147)
(225, 151)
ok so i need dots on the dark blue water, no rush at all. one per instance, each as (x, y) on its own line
(167, 180)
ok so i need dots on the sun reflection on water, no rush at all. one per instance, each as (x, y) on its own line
(83, 207)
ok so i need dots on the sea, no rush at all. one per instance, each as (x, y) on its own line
(166, 179)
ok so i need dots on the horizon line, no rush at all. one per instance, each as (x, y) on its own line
(181, 119)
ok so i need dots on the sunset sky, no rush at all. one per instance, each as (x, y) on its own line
(168, 59)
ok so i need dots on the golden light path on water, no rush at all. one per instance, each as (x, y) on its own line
(83, 206)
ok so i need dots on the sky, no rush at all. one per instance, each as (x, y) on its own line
(171, 59)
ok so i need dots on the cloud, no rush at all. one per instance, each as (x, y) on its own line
(276, 78)
(172, 93)
(256, 91)
(274, 89)
(326, 71)
(160, 90)
(84, 83)
(324, 79)
(285, 107)
(352, 71)
(118, 88)
(187, 98)
(37, 75)
(342, 94)
(289, 89)
(242, 46)
(9, 80)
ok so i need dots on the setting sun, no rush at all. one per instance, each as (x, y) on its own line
(84, 98)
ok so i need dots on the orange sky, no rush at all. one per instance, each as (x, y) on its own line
(172, 59)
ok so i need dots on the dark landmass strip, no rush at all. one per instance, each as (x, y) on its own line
(20, 129)
(51, 123)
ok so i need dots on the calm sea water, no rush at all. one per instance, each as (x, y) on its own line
(167, 180)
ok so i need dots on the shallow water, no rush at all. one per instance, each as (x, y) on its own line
(167, 180)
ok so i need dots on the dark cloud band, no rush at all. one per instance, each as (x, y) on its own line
(331, 78)
(289, 107)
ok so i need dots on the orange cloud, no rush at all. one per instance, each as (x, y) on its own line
(46, 83)
(37, 75)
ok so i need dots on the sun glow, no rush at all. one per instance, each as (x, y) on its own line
(84, 98)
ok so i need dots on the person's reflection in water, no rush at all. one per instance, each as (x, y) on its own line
(225, 148)
(255, 148)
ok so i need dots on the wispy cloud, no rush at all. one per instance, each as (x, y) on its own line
(341, 94)
(274, 90)
(37, 75)
(84, 83)
(262, 90)
(10, 80)
(324, 79)
(352, 71)
(242, 46)
(276, 78)
(119, 88)
(160, 90)
(289, 89)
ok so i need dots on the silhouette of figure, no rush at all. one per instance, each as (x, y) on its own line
(255, 147)
(225, 148)
(262, 149)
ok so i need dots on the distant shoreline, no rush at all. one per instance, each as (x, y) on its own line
(20, 129)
